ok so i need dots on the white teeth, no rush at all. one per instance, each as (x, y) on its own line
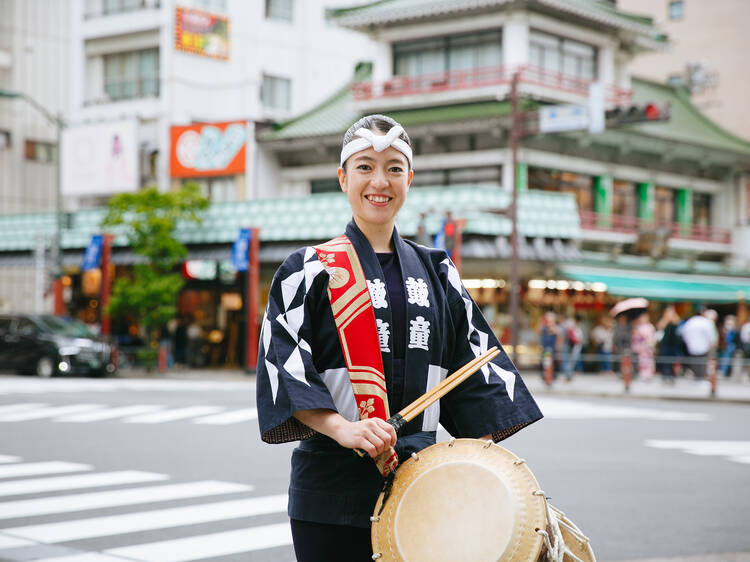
(378, 198)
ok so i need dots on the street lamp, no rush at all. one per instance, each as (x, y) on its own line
(59, 124)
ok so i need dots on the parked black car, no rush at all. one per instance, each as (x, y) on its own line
(48, 345)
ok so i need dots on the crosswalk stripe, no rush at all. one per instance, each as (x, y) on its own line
(117, 498)
(61, 483)
(85, 557)
(48, 412)
(6, 408)
(208, 546)
(35, 468)
(171, 415)
(230, 417)
(110, 414)
(149, 520)
(8, 458)
(736, 451)
(13, 542)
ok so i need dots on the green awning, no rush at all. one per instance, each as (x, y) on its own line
(672, 287)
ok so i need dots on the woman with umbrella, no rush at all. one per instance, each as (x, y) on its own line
(625, 311)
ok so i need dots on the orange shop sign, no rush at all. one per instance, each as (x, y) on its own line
(211, 149)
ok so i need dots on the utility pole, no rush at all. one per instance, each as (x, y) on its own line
(515, 283)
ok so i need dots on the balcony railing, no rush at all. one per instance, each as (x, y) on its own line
(484, 76)
(121, 7)
(634, 225)
(123, 90)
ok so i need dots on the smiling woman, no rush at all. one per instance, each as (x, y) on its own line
(344, 319)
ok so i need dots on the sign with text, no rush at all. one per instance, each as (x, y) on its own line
(202, 33)
(239, 250)
(216, 149)
(100, 158)
(557, 118)
(93, 254)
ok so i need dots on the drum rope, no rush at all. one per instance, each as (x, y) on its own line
(556, 552)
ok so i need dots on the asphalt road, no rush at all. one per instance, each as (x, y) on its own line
(159, 470)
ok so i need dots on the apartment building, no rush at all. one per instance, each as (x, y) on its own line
(151, 92)
(708, 43)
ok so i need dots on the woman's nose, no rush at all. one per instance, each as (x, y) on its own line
(379, 179)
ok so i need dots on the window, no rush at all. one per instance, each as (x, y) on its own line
(456, 53)
(623, 199)
(324, 186)
(40, 151)
(133, 74)
(217, 190)
(95, 8)
(276, 93)
(581, 186)
(4, 139)
(280, 10)
(702, 209)
(567, 57)
(676, 9)
(664, 206)
(480, 175)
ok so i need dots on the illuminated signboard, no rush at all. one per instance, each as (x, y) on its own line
(215, 149)
(202, 33)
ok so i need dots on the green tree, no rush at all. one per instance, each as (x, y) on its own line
(150, 219)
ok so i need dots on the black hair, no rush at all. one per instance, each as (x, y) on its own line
(375, 122)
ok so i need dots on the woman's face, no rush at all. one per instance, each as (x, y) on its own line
(376, 184)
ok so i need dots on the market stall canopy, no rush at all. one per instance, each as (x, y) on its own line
(672, 287)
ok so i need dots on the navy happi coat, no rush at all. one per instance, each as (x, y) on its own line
(301, 367)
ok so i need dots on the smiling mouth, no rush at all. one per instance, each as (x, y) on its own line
(378, 198)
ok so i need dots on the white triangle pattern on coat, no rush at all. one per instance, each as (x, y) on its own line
(455, 280)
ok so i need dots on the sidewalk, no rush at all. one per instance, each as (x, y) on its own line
(611, 386)
(588, 385)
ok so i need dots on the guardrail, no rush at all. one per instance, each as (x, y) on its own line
(634, 225)
(484, 76)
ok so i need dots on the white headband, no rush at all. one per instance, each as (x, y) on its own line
(368, 139)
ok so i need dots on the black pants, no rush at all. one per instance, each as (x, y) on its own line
(320, 542)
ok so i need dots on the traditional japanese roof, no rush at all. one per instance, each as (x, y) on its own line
(687, 124)
(389, 12)
(322, 216)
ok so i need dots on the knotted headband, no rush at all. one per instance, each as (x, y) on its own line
(366, 139)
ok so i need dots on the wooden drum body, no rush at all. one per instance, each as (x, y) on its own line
(462, 499)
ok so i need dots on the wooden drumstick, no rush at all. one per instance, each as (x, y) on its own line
(438, 391)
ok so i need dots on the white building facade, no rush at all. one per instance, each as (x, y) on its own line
(122, 74)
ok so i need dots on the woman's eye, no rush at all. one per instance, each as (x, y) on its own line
(396, 169)
(363, 167)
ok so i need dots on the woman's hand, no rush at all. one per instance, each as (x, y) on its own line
(373, 435)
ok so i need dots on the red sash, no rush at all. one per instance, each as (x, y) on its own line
(358, 333)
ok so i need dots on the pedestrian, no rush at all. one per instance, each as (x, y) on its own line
(729, 338)
(700, 336)
(621, 340)
(572, 343)
(423, 236)
(670, 343)
(195, 343)
(548, 339)
(643, 340)
(603, 338)
(331, 381)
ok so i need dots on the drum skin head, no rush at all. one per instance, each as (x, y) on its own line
(461, 500)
